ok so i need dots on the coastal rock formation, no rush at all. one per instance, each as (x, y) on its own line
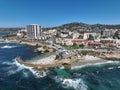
(29, 43)
(37, 66)
(40, 49)
(51, 50)
(43, 49)
(73, 60)
(117, 55)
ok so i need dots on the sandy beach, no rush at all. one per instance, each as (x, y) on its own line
(86, 60)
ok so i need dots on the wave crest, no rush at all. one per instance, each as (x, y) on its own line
(77, 84)
(35, 72)
(8, 47)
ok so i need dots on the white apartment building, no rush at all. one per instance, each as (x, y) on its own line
(86, 35)
(109, 32)
(34, 31)
(75, 35)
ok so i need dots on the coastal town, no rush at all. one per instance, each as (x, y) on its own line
(59, 44)
(68, 47)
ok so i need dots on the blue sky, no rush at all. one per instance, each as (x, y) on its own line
(14, 13)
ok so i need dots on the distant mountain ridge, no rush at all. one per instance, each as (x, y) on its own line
(71, 26)
(84, 26)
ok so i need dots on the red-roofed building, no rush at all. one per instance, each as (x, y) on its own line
(79, 41)
(95, 43)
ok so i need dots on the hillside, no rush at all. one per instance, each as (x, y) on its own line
(84, 26)
(71, 26)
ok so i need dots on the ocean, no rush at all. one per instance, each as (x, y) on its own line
(14, 76)
(3, 33)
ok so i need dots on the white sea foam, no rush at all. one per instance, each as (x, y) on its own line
(8, 47)
(25, 74)
(111, 68)
(77, 84)
(35, 72)
(7, 63)
(62, 67)
(58, 79)
(10, 70)
(13, 71)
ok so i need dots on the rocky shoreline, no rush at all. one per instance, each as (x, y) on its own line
(67, 63)
(92, 58)
(39, 46)
(37, 66)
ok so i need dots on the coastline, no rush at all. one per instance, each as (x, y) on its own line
(44, 64)
(93, 64)
(50, 62)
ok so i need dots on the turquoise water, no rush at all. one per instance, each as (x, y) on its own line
(17, 77)
(101, 77)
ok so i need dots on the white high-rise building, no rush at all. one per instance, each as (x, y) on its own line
(34, 31)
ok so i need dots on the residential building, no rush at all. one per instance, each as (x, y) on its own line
(34, 31)
(79, 41)
(20, 35)
(94, 44)
(108, 32)
(75, 35)
(58, 40)
(86, 35)
(67, 42)
(64, 34)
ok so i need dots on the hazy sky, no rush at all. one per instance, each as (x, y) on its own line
(56, 12)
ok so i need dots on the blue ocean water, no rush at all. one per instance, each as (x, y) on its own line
(17, 77)
(3, 33)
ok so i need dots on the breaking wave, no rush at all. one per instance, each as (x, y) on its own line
(111, 68)
(77, 84)
(35, 72)
(7, 63)
(8, 47)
